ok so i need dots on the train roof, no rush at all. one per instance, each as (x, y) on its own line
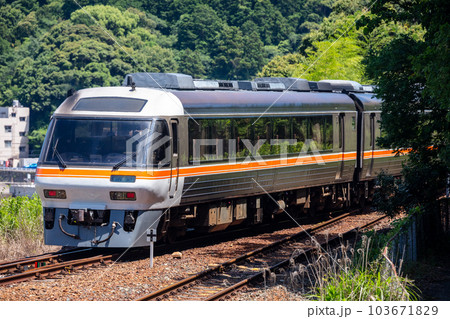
(177, 95)
(254, 103)
(268, 95)
(99, 102)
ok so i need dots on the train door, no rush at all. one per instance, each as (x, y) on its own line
(340, 133)
(175, 160)
(369, 142)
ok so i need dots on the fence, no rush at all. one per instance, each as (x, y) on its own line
(17, 175)
(421, 233)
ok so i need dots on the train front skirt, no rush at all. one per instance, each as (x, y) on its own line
(114, 228)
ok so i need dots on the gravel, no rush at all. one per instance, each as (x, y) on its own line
(132, 279)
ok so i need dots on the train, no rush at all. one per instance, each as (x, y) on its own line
(173, 154)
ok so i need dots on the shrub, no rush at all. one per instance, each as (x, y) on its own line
(357, 275)
(21, 227)
(20, 215)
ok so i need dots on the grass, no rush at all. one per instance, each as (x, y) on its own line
(359, 275)
(20, 215)
(21, 227)
(363, 273)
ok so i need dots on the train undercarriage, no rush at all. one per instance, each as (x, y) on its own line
(266, 208)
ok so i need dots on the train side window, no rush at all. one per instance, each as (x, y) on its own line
(372, 130)
(263, 131)
(175, 137)
(322, 132)
(217, 132)
(341, 130)
(317, 131)
(160, 145)
(242, 130)
(378, 132)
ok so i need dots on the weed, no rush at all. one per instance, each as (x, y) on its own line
(21, 227)
(358, 274)
(355, 273)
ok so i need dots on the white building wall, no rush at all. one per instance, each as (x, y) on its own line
(14, 126)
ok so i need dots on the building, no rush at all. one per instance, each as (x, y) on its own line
(14, 125)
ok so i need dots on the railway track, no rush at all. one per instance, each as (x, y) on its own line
(222, 280)
(47, 265)
(28, 263)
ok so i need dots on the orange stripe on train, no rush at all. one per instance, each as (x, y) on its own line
(206, 169)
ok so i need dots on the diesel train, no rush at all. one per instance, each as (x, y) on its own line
(174, 154)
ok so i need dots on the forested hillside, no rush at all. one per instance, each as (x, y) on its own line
(50, 46)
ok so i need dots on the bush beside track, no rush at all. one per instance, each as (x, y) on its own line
(21, 227)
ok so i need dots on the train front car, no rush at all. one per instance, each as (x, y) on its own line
(105, 170)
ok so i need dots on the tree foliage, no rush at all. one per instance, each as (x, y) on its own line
(412, 74)
(332, 50)
(50, 46)
(78, 53)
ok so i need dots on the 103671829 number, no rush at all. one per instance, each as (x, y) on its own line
(403, 310)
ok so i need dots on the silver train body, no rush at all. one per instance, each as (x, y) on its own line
(173, 154)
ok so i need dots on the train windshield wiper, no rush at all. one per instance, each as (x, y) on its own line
(123, 161)
(58, 156)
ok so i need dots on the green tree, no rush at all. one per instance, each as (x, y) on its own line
(412, 75)
(77, 53)
(282, 66)
(198, 29)
(193, 63)
(333, 50)
(340, 59)
(8, 16)
(238, 56)
(324, 60)
(117, 21)
(49, 46)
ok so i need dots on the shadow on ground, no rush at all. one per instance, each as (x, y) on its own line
(432, 273)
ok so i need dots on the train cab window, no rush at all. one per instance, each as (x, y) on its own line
(102, 142)
(110, 104)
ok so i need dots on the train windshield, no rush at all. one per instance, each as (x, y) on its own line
(116, 143)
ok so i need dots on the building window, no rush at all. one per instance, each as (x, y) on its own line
(13, 114)
(22, 118)
(21, 133)
(7, 144)
(7, 128)
(22, 148)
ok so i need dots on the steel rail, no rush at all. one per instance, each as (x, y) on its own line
(171, 289)
(56, 268)
(307, 252)
(24, 263)
(5, 262)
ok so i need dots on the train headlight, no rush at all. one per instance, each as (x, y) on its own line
(122, 195)
(52, 193)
